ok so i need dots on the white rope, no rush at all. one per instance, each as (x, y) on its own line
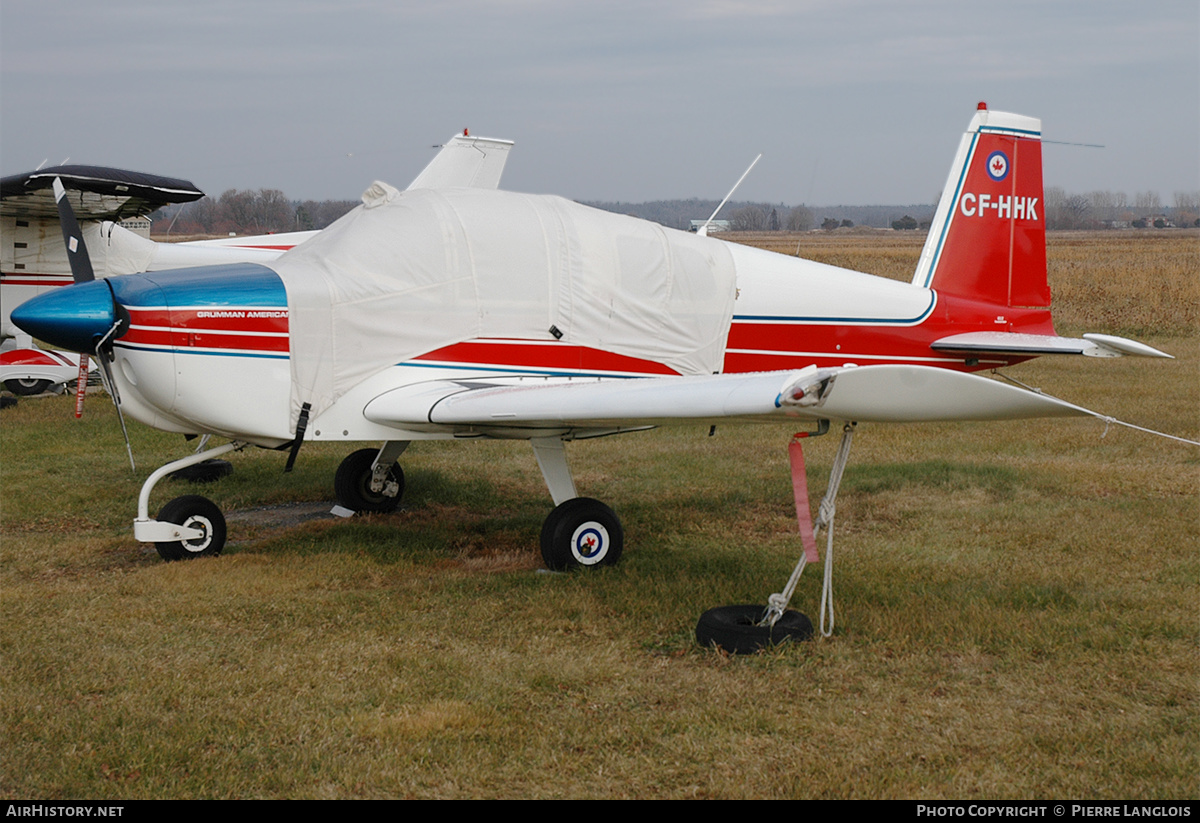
(1108, 419)
(827, 585)
(825, 519)
(777, 603)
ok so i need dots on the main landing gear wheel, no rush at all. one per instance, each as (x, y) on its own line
(352, 484)
(735, 629)
(196, 512)
(582, 532)
(26, 386)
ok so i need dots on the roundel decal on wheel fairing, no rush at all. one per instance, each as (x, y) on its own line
(589, 544)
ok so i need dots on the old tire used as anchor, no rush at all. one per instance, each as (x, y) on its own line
(735, 629)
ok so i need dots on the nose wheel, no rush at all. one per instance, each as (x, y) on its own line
(193, 512)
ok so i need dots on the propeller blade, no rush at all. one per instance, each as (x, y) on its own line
(104, 314)
(77, 254)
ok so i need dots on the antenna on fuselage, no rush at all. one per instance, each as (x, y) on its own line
(703, 230)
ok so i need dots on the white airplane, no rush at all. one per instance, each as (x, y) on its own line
(33, 259)
(459, 313)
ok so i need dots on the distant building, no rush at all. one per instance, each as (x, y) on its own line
(137, 225)
(1157, 221)
(714, 226)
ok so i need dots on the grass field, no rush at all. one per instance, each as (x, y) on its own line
(1018, 605)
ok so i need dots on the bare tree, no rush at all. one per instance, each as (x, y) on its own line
(1104, 205)
(331, 210)
(1187, 208)
(1147, 201)
(1067, 211)
(272, 211)
(800, 219)
(750, 218)
(235, 212)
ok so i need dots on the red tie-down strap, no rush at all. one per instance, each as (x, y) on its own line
(81, 385)
(800, 490)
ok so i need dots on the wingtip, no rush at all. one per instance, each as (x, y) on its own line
(1122, 345)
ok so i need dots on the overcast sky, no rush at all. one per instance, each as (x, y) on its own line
(850, 102)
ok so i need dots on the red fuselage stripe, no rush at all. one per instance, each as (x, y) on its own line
(538, 355)
(254, 320)
(754, 344)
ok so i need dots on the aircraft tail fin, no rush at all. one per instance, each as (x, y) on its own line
(988, 238)
(477, 162)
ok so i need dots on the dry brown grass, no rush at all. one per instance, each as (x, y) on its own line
(1134, 283)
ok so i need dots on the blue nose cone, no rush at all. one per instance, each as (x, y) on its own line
(73, 317)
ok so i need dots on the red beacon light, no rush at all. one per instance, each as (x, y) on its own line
(982, 106)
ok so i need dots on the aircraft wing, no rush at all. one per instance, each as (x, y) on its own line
(96, 192)
(465, 161)
(890, 393)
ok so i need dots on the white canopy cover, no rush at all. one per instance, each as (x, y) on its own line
(410, 272)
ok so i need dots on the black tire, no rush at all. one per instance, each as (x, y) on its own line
(582, 533)
(205, 471)
(197, 512)
(352, 484)
(6, 401)
(26, 386)
(733, 629)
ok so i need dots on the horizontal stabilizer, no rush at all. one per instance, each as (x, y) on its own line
(892, 393)
(1092, 345)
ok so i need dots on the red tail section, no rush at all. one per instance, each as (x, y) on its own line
(988, 239)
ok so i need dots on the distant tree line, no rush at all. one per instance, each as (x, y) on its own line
(747, 216)
(767, 218)
(267, 211)
(1117, 210)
